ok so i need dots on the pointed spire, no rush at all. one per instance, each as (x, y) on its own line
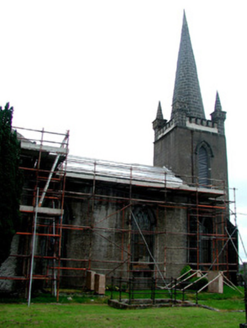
(159, 121)
(218, 116)
(187, 94)
(159, 115)
(217, 106)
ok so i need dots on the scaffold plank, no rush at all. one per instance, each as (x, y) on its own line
(41, 210)
(38, 147)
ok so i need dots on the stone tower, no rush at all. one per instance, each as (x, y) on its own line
(189, 144)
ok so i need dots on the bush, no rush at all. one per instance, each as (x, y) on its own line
(198, 284)
(185, 269)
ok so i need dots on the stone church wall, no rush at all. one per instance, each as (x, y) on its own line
(106, 247)
(172, 245)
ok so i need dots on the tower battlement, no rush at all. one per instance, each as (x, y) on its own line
(201, 124)
(192, 123)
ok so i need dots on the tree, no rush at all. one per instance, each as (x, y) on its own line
(10, 181)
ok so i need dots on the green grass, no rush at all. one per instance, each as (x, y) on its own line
(76, 309)
(54, 315)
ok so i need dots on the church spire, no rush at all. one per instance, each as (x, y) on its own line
(187, 94)
(159, 115)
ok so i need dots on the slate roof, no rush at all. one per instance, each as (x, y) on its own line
(187, 92)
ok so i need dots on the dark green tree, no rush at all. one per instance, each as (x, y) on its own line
(10, 181)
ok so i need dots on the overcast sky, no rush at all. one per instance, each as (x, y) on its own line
(99, 67)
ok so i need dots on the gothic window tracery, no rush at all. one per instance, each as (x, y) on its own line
(143, 224)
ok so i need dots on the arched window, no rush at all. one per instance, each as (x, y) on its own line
(200, 240)
(142, 243)
(204, 153)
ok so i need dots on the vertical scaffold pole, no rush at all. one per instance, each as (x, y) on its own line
(33, 248)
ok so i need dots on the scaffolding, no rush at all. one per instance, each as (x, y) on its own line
(42, 153)
(129, 194)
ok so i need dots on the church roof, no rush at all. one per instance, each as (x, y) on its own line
(132, 174)
(187, 92)
(136, 174)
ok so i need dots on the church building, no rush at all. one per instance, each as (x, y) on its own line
(122, 220)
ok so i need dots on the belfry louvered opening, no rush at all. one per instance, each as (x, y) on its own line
(203, 167)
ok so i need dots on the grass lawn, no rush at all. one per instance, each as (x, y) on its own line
(91, 311)
(81, 315)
